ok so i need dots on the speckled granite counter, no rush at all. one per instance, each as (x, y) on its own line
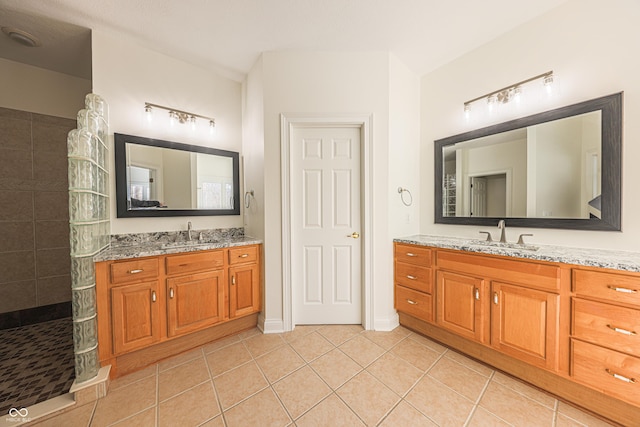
(152, 248)
(603, 258)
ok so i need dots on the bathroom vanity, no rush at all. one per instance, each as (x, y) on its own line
(565, 320)
(157, 300)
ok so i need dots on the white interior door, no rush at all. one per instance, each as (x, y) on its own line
(478, 196)
(325, 225)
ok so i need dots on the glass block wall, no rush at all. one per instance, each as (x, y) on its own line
(88, 158)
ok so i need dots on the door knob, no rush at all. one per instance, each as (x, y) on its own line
(354, 235)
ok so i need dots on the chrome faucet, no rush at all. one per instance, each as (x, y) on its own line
(189, 230)
(502, 227)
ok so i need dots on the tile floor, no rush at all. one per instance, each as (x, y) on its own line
(322, 376)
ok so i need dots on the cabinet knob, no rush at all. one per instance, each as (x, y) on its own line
(243, 256)
(412, 302)
(623, 290)
(476, 294)
(495, 298)
(135, 271)
(411, 254)
(170, 292)
(153, 296)
(620, 377)
(411, 277)
(621, 330)
(233, 280)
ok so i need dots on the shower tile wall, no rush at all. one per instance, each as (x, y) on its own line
(34, 212)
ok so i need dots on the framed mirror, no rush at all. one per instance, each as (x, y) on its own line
(557, 169)
(156, 178)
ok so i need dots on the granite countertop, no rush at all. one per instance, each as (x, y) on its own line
(153, 248)
(603, 258)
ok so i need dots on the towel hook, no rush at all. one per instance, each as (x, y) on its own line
(402, 191)
(247, 198)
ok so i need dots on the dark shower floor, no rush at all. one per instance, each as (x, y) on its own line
(36, 363)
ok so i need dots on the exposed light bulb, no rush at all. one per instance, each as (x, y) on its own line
(148, 112)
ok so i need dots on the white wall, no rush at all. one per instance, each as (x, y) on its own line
(128, 75)
(28, 88)
(591, 47)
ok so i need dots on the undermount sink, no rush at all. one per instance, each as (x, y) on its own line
(507, 246)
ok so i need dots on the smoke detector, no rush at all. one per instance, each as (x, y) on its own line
(22, 37)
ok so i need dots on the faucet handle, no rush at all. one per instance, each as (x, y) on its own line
(521, 240)
(489, 239)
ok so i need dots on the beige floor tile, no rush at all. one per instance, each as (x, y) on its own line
(406, 415)
(564, 421)
(388, 339)
(216, 422)
(279, 363)
(368, 398)
(222, 342)
(515, 408)
(227, 358)
(330, 412)
(263, 409)
(299, 332)
(249, 333)
(482, 418)
(438, 348)
(181, 378)
(337, 334)
(580, 416)
(312, 346)
(263, 343)
(300, 391)
(458, 377)
(143, 419)
(118, 404)
(418, 355)
(76, 417)
(238, 384)
(180, 359)
(438, 402)
(396, 373)
(523, 388)
(191, 408)
(469, 363)
(133, 377)
(335, 368)
(362, 350)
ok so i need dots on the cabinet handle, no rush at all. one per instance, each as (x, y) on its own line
(476, 294)
(135, 271)
(620, 330)
(410, 254)
(170, 292)
(233, 280)
(243, 256)
(411, 277)
(153, 296)
(623, 290)
(412, 302)
(620, 377)
(495, 298)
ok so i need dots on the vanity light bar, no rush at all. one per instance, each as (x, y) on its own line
(507, 93)
(179, 115)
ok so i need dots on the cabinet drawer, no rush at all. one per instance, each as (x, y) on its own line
(414, 277)
(413, 254)
(134, 270)
(179, 264)
(620, 288)
(243, 254)
(608, 371)
(415, 303)
(608, 325)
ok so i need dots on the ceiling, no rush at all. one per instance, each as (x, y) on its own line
(227, 36)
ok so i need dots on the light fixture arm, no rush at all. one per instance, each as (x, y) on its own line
(547, 75)
(182, 116)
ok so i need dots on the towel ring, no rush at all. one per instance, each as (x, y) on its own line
(247, 198)
(402, 191)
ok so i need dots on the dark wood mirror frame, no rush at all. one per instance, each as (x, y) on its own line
(611, 108)
(121, 178)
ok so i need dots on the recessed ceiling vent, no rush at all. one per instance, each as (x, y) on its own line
(21, 37)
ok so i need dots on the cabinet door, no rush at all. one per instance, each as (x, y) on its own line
(194, 302)
(244, 290)
(135, 314)
(461, 305)
(524, 323)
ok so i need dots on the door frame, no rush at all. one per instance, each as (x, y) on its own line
(289, 122)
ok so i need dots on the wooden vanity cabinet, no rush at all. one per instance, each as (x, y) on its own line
(413, 279)
(135, 313)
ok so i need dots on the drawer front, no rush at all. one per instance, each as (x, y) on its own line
(608, 325)
(198, 261)
(243, 254)
(613, 287)
(608, 371)
(413, 254)
(134, 270)
(417, 304)
(414, 277)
